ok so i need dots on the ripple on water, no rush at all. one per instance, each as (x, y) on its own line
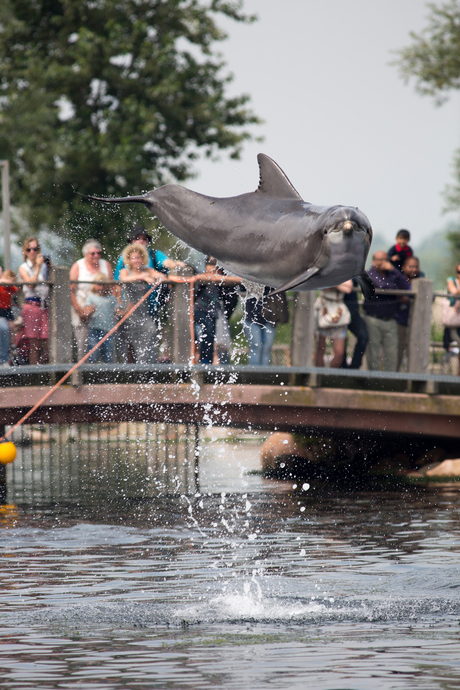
(357, 592)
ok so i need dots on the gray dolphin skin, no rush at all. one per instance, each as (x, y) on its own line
(270, 236)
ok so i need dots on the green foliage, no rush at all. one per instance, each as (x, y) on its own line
(437, 259)
(454, 238)
(433, 59)
(110, 97)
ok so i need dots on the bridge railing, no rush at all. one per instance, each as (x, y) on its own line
(420, 327)
(431, 348)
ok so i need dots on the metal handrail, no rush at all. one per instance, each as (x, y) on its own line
(274, 371)
(209, 279)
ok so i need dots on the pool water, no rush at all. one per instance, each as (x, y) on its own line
(248, 583)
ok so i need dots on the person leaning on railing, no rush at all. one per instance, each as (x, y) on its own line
(332, 319)
(451, 312)
(85, 270)
(261, 317)
(358, 327)
(33, 272)
(380, 312)
(7, 290)
(158, 261)
(208, 308)
(103, 317)
(411, 270)
(141, 326)
(205, 312)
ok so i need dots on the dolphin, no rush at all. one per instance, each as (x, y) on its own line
(270, 236)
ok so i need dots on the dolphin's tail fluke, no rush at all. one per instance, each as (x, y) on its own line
(122, 200)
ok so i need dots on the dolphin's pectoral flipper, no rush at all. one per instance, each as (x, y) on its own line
(273, 181)
(298, 280)
(366, 285)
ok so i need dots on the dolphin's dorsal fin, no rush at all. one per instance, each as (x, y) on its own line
(273, 181)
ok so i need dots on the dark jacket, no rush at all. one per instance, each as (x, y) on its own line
(385, 306)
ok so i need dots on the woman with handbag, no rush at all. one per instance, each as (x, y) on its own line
(451, 311)
(332, 319)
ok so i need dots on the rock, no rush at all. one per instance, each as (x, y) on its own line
(448, 468)
(427, 468)
(280, 445)
(435, 455)
(402, 461)
(396, 464)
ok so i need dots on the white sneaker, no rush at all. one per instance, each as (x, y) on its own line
(4, 365)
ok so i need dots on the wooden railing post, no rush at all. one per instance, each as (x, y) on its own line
(181, 337)
(60, 345)
(420, 326)
(303, 329)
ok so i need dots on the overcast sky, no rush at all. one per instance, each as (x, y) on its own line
(338, 119)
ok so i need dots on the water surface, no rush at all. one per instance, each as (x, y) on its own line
(248, 583)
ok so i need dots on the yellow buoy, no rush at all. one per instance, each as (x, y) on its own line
(7, 452)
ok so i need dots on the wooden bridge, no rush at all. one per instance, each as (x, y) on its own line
(416, 405)
(286, 398)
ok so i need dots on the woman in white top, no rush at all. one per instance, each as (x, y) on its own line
(35, 312)
(85, 269)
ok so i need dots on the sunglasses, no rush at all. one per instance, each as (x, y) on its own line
(94, 253)
(32, 249)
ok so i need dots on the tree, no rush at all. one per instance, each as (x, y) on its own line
(434, 56)
(433, 59)
(111, 97)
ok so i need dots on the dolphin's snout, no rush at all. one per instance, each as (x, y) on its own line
(348, 226)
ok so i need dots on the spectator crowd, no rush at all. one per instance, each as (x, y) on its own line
(101, 296)
(381, 331)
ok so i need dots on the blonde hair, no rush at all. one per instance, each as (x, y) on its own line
(101, 278)
(135, 249)
(11, 275)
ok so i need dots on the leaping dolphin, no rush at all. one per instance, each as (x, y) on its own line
(270, 236)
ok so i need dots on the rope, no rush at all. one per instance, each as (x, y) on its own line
(83, 359)
(176, 279)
